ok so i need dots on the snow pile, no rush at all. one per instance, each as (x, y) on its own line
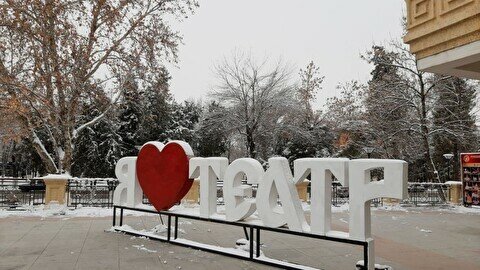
(61, 211)
(143, 248)
(338, 234)
(155, 231)
(244, 244)
(391, 207)
(64, 176)
(460, 209)
(423, 230)
(361, 265)
(340, 208)
(160, 228)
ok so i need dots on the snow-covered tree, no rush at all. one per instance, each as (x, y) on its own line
(303, 133)
(53, 54)
(156, 112)
(415, 93)
(211, 136)
(454, 125)
(184, 120)
(345, 116)
(387, 108)
(130, 114)
(99, 146)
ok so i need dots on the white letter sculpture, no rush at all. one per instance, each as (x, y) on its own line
(208, 170)
(321, 170)
(236, 206)
(362, 191)
(128, 192)
(278, 182)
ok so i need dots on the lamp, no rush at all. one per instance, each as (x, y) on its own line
(448, 157)
(368, 150)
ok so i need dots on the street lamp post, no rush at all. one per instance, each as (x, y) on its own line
(448, 157)
(369, 151)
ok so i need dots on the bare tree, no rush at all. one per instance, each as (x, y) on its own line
(256, 96)
(411, 91)
(54, 54)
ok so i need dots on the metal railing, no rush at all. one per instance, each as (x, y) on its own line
(92, 192)
(419, 194)
(340, 195)
(99, 192)
(13, 192)
(427, 194)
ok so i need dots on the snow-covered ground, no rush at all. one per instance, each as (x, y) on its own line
(64, 212)
(459, 209)
(61, 211)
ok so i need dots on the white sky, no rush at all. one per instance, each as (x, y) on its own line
(331, 33)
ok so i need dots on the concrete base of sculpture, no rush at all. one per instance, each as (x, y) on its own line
(55, 188)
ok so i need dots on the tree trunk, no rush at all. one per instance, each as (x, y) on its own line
(251, 143)
(428, 169)
(455, 163)
(68, 156)
(44, 155)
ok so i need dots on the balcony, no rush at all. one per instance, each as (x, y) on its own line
(444, 35)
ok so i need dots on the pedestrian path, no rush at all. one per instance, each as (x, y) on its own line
(413, 239)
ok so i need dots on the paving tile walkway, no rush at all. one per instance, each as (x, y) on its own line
(404, 240)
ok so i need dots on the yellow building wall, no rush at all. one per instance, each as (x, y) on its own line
(435, 26)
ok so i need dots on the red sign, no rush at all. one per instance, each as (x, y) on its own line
(470, 158)
(471, 178)
(163, 174)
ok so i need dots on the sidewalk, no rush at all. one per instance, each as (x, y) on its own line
(412, 239)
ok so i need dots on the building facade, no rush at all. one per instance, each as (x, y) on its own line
(444, 35)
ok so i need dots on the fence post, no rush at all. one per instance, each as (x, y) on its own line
(455, 190)
(55, 187)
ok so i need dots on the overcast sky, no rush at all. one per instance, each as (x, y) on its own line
(331, 33)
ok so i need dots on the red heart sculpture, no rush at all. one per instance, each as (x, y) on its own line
(163, 173)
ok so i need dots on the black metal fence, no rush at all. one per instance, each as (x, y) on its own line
(427, 194)
(92, 192)
(99, 192)
(340, 195)
(14, 192)
(419, 194)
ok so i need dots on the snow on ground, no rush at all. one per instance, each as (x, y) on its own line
(63, 212)
(458, 209)
(361, 264)
(143, 248)
(335, 209)
(244, 244)
(340, 208)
